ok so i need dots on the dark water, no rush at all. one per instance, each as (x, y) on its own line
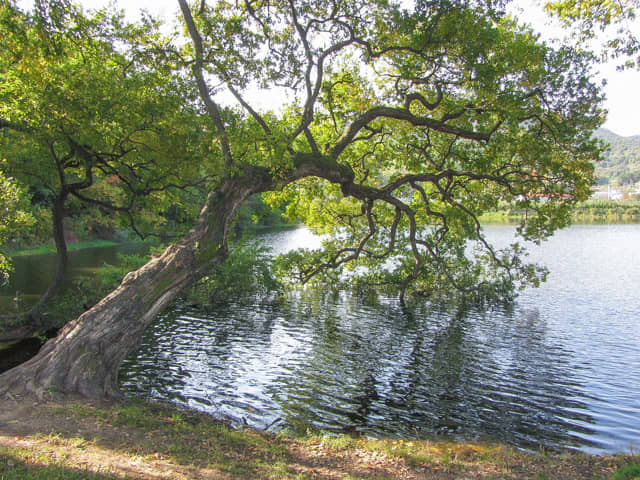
(33, 274)
(561, 368)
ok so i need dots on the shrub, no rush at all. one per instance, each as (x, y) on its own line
(247, 272)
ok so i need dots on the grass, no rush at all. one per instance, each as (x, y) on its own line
(44, 249)
(15, 469)
(187, 438)
(144, 440)
(630, 472)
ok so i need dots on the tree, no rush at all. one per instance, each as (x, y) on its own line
(13, 217)
(402, 128)
(86, 118)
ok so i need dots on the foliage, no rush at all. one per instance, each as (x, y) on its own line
(621, 162)
(48, 249)
(473, 276)
(402, 128)
(589, 211)
(39, 233)
(247, 272)
(87, 121)
(109, 276)
(629, 472)
(84, 292)
(13, 219)
(413, 123)
(97, 124)
(608, 211)
(256, 214)
(613, 21)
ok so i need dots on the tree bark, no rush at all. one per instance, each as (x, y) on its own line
(85, 356)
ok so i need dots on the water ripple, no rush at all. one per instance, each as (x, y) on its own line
(560, 369)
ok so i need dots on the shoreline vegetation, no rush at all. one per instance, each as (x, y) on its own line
(589, 212)
(51, 249)
(143, 440)
(251, 230)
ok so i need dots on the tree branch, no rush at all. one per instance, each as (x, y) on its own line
(203, 89)
(405, 115)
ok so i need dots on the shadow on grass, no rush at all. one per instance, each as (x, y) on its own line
(185, 444)
(12, 468)
(172, 443)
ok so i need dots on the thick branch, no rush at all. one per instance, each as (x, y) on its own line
(405, 115)
(203, 89)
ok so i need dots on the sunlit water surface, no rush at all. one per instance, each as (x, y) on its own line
(560, 368)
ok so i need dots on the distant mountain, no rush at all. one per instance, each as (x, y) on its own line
(621, 163)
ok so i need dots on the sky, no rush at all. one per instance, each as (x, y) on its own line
(622, 89)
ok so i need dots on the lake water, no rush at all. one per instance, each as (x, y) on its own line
(559, 369)
(34, 273)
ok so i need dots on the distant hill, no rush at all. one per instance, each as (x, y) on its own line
(621, 163)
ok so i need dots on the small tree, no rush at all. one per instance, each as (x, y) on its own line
(87, 119)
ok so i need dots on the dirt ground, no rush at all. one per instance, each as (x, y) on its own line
(149, 441)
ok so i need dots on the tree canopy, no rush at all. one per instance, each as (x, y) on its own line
(399, 129)
(614, 24)
(423, 119)
(84, 104)
(89, 118)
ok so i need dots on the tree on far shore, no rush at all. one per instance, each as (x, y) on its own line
(87, 121)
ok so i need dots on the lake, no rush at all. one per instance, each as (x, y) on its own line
(559, 369)
(34, 273)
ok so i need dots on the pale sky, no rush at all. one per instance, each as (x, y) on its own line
(622, 90)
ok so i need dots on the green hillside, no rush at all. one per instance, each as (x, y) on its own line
(622, 162)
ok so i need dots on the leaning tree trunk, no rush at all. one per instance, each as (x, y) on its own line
(85, 356)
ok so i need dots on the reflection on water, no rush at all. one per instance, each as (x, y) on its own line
(33, 274)
(345, 365)
(559, 369)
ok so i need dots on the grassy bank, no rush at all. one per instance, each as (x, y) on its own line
(44, 249)
(143, 441)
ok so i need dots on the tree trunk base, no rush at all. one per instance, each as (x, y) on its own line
(27, 383)
(85, 356)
